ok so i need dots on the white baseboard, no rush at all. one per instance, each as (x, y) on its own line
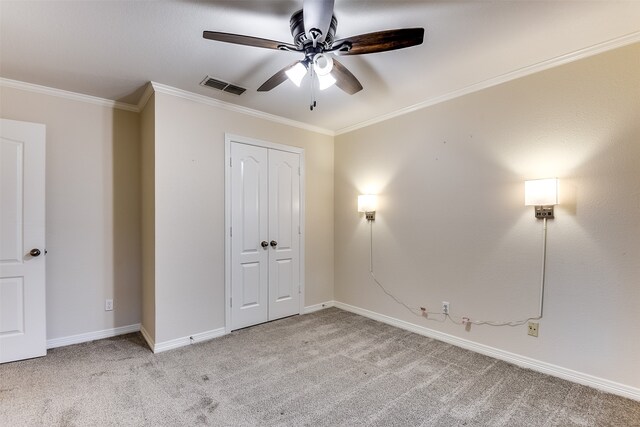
(184, 341)
(311, 308)
(92, 336)
(516, 359)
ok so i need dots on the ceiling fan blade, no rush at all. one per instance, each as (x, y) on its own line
(247, 40)
(382, 41)
(317, 14)
(344, 79)
(276, 79)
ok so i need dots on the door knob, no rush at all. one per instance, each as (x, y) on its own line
(34, 252)
(264, 244)
(274, 243)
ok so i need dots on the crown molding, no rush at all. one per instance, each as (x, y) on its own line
(158, 87)
(145, 97)
(503, 78)
(30, 87)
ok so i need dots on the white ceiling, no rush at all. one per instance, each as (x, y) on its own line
(111, 49)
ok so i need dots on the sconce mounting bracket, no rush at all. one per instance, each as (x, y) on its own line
(371, 216)
(544, 212)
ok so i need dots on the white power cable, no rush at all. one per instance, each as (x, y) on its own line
(420, 312)
(413, 310)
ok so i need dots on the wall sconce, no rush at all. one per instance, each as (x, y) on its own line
(543, 194)
(367, 204)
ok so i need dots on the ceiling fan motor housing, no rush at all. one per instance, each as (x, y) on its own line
(300, 37)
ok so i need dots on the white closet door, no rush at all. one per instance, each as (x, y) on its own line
(22, 234)
(284, 232)
(249, 222)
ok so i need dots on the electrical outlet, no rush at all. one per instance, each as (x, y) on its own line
(445, 307)
(533, 329)
(108, 305)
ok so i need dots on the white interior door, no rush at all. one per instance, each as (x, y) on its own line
(22, 241)
(284, 232)
(249, 228)
(265, 234)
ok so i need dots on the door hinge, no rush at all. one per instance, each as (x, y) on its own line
(298, 171)
(230, 231)
(231, 302)
(299, 290)
(230, 162)
(299, 232)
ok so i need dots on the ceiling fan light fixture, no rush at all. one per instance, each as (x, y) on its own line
(297, 73)
(326, 81)
(322, 64)
(313, 29)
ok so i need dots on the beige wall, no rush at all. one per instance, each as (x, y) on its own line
(93, 210)
(451, 224)
(147, 140)
(189, 203)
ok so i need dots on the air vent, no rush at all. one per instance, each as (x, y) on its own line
(216, 84)
(223, 86)
(237, 90)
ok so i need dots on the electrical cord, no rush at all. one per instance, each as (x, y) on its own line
(424, 313)
(416, 311)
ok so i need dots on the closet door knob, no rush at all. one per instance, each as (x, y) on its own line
(264, 244)
(34, 252)
(274, 243)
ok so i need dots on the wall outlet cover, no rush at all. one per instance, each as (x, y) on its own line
(445, 307)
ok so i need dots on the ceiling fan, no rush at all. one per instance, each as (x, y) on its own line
(313, 29)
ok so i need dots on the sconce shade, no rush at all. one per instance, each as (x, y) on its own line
(367, 203)
(541, 192)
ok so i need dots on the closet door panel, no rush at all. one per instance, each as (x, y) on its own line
(284, 231)
(249, 228)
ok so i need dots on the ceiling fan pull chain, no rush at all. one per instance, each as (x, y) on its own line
(312, 104)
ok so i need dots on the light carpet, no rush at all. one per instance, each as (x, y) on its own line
(328, 368)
